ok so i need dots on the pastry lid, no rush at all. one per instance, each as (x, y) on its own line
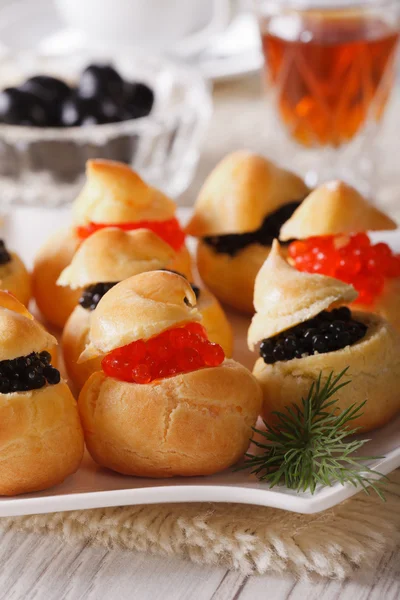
(113, 193)
(240, 192)
(112, 254)
(20, 333)
(334, 208)
(139, 308)
(285, 297)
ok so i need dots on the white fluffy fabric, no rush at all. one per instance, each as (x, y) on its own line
(252, 539)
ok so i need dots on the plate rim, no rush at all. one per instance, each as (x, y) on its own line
(327, 498)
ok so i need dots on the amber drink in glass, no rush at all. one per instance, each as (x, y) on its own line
(330, 70)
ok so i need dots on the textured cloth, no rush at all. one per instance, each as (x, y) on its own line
(253, 539)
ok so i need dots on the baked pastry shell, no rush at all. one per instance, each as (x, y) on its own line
(240, 192)
(41, 439)
(285, 297)
(21, 334)
(114, 193)
(75, 337)
(55, 303)
(15, 278)
(140, 308)
(387, 304)
(231, 278)
(214, 319)
(331, 209)
(197, 423)
(112, 254)
(182, 263)
(374, 371)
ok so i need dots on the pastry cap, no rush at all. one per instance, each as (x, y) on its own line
(331, 209)
(139, 308)
(113, 193)
(285, 297)
(20, 333)
(112, 254)
(240, 192)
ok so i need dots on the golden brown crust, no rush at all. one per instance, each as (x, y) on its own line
(214, 319)
(284, 297)
(387, 304)
(75, 337)
(231, 278)
(41, 440)
(331, 209)
(15, 278)
(198, 423)
(374, 370)
(112, 254)
(54, 302)
(113, 193)
(139, 308)
(20, 333)
(182, 263)
(240, 192)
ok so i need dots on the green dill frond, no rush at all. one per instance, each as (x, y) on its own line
(309, 445)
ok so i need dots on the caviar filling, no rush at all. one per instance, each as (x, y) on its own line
(27, 373)
(170, 231)
(5, 256)
(92, 294)
(235, 242)
(352, 259)
(327, 332)
(178, 350)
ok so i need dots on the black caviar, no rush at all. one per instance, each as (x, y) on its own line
(5, 256)
(92, 295)
(327, 332)
(27, 373)
(232, 244)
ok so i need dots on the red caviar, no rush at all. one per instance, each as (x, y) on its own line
(170, 231)
(173, 351)
(352, 259)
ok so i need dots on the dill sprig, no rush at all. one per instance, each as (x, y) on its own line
(309, 444)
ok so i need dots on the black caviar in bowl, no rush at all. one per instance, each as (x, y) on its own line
(101, 96)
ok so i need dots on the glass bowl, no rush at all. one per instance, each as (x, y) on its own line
(45, 166)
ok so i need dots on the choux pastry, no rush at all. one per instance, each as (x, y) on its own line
(14, 276)
(41, 440)
(111, 255)
(331, 225)
(116, 196)
(301, 329)
(238, 212)
(166, 401)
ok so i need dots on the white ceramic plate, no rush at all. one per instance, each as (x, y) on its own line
(93, 487)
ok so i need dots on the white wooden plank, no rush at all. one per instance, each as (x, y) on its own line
(380, 582)
(45, 568)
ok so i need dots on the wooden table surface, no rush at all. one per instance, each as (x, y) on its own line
(45, 568)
